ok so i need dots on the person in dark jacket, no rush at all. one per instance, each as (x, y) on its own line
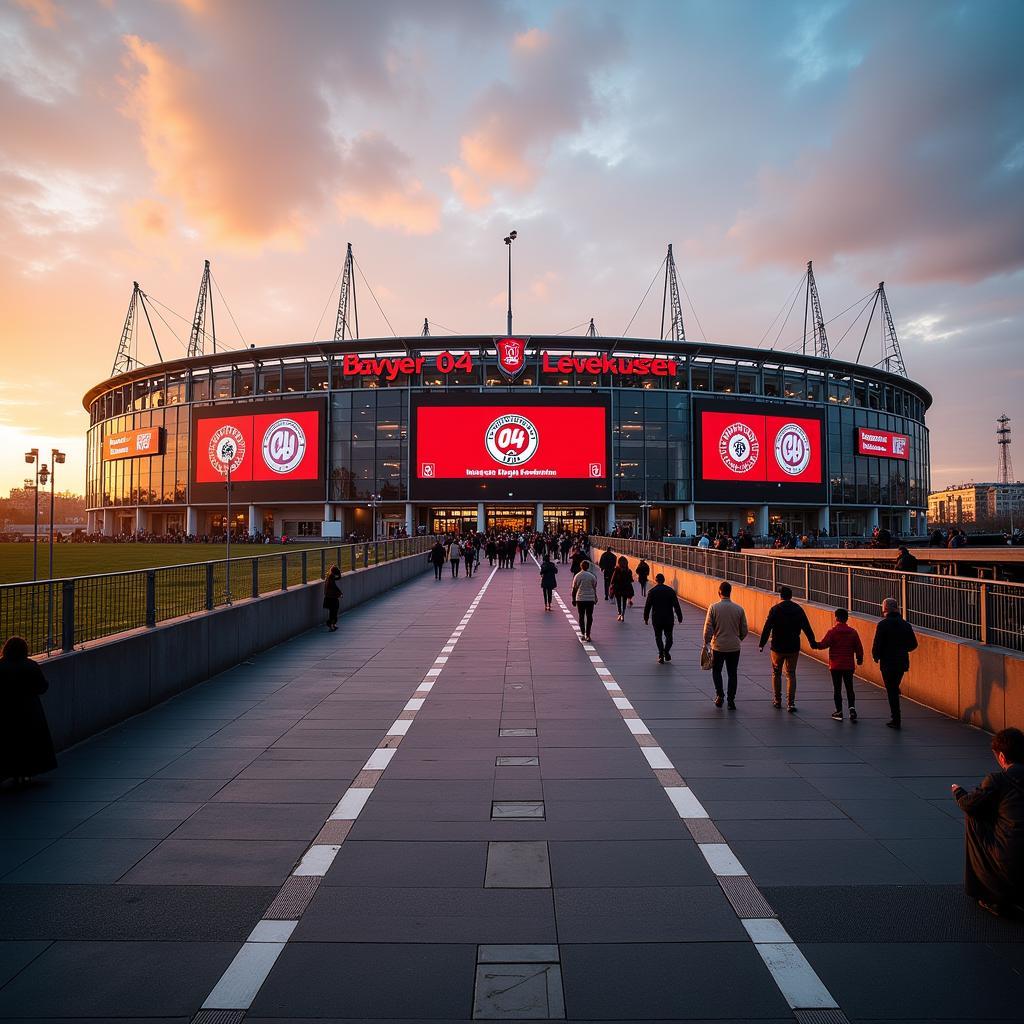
(621, 587)
(894, 640)
(606, 563)
(26, 748)
(548, 581)
(332, 597)
(784, 624)
(905, 561)
(994, 869)
(643, 573)
(492, 551)
(661, 609)
(437, 558)
(579, 556)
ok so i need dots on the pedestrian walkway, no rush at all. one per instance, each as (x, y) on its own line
(452, 809)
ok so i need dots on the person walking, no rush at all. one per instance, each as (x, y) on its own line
(661, 609)
(584, 597)
(905, 561)
(454, 557)
(643, 572)
(548, 581)
(26, 748)
(621, 586)
(725, 629)
(607, 563)
(894, 640)
(332, 597)
(994, 863)
(492, 551)
(578, 558)
(784, 624)
(564, 546)
(437, 558)
(844, 648)
(470, 555)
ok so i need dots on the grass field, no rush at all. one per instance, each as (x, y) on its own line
(91, 559)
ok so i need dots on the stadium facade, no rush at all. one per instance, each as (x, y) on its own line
(434, 434)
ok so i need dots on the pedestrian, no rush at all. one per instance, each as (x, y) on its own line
(621, 587)
(584, 597)
(548, 582)
(332, 597)
(437, 558)
(894, 640)
(844, 648)
(607, 564)
(564, 546)
(492, 551)
(643, 572)
(725, 628)
(784, 624)
(578, 558)
(905, 561)
(26, 748)
(994, 868)
(470, 556)
(522, 547)
(454, 557)
(661, 606)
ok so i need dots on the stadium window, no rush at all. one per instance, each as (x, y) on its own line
(699, 377)
(294, 378)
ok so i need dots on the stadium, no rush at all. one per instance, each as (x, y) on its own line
(434, 434)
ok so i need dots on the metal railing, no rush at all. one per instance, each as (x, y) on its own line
(55, 615)
(980, 610)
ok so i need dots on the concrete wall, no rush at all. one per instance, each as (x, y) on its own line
(110, 680)
(972, 682)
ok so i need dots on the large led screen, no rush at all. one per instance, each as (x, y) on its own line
(757, 452)
(527, 448)
(275, 450)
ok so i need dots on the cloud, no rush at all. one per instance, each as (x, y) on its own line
(148, 219)
(45, 13)
(379, 188)
(916, 167)
(551, 95)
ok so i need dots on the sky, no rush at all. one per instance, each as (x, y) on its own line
(885, 141)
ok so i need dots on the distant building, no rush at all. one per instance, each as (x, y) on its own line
(972, 503)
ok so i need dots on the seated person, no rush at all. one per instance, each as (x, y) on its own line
(994, 871)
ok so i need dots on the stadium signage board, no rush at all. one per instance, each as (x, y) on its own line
(523, 447)
(882, 444)
(758, 452)
(275, 450)
(512, 356)
(133, 444)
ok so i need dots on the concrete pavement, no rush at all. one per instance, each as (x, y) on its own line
(453, 809)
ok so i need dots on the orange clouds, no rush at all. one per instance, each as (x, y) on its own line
(380, 189)
(551, 95)
(245, 187)
(148, 219)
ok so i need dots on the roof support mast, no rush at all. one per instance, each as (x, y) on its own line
(204, 305)
(892, 354)
(348, 290)
(812, 305)
(124, 360)
(670, 298)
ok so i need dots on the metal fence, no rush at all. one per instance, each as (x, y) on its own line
(55, 615)
(980, 610)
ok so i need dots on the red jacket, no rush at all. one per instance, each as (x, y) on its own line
(843, 644)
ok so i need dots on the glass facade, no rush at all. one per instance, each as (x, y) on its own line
(651, 418)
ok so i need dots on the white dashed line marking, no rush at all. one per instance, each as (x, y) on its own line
(721, 860)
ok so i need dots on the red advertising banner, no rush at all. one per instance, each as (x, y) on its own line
(741, 447)
(267, 447)
(510, 442)
(883, 444)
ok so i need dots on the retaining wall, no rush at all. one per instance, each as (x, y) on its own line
(975, 683)
(110, 680)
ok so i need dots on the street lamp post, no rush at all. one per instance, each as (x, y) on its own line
(375, 500)
(56, 458)
(32, 458)
(509, 239)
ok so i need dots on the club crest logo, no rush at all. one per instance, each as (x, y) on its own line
(792, 449)
(511, 356)
(284, 445)
(512, 440)
(226, 449)
(739, 448)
